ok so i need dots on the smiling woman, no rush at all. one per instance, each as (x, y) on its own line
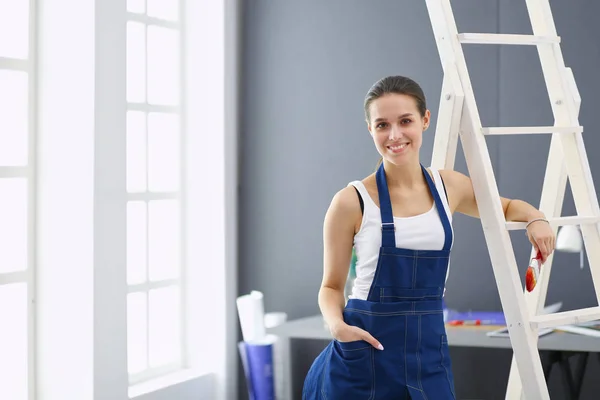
(389, 337)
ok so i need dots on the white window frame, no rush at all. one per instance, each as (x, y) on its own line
(81, 211)
(212, 83)
(28, 172)
(147, 196)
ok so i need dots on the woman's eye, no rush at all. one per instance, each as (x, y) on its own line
(406, 121)
(381, 125)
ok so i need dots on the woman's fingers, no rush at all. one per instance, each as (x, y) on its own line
(543, 249)
(367, 337)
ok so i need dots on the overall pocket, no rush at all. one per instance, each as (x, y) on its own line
(349, 371)
(392, 294)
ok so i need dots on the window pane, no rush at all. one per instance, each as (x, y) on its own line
(164, 239)
(165, 9)
(14, 28)
(137, 332)
(13, 225)
(136, 151)
(163, 152)
(136, 242)
(13, 346)
(163, 66)
(136, 62)
(13, 116)
(164, 315)
(136, 6)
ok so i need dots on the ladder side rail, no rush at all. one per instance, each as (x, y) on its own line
(560, 83)
(491, 213)
(556, 172)
(448, 120)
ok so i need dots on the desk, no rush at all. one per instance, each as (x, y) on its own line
(558, 346)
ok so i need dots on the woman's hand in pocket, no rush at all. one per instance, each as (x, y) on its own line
(343, 332)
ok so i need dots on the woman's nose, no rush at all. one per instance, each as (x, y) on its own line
(395, 132)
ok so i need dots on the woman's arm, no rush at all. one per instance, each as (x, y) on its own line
(338, 238)
(462, 199)
(338, 233)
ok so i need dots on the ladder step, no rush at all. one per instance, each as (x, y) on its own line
(565, 318)
(502, 38)
(560, 221)
(528, 130)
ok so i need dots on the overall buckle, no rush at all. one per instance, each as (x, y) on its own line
(386, 225)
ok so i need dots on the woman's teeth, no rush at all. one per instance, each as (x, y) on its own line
(398, 147)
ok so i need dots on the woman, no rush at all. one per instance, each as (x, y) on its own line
(389, 339)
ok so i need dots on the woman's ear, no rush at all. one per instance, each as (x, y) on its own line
(426, 120)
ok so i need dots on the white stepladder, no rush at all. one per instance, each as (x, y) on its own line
(459, 118)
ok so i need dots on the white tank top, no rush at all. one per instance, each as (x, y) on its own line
(420, 232)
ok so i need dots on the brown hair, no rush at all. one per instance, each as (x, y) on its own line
(397, 85)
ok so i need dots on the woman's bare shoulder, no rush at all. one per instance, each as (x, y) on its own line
(345, 204)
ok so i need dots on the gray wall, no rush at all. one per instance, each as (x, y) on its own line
(306, 68)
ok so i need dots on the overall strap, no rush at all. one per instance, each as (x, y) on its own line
(441, 210)
(388, 236)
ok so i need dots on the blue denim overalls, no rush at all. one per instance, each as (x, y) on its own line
(404, 312)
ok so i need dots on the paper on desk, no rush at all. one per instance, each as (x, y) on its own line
(251, 311)
(494, 317)
(552, 308)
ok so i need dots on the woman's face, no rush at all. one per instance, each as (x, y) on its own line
(397, 127)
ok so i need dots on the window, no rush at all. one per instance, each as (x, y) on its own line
(110, 313)
(155, 202)
(16, 199)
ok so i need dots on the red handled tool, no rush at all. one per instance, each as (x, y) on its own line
(477, 322)
(533, 272)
